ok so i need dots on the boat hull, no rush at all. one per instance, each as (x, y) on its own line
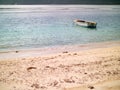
(85, 23)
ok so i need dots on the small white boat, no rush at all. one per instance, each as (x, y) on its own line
(88, 24)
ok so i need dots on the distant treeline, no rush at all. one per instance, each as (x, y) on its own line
(59, 1)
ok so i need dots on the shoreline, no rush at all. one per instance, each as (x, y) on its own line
(70, 68)
(36, 52)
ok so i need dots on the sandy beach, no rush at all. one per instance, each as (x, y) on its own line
(82, 67)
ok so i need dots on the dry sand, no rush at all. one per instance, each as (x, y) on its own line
(106, 85)
(93, 69)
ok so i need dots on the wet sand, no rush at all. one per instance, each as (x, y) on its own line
(93, 68)
(37, 52)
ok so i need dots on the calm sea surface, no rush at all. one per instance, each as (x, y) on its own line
(24, 27)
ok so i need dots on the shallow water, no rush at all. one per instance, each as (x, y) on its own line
(23, 27)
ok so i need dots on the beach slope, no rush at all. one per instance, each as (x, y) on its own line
(97, 69)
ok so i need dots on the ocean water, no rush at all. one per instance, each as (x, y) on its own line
(36, 26)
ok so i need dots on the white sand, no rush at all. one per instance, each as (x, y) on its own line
(97, 68)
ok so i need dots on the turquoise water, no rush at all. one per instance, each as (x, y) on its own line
(43, 26)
